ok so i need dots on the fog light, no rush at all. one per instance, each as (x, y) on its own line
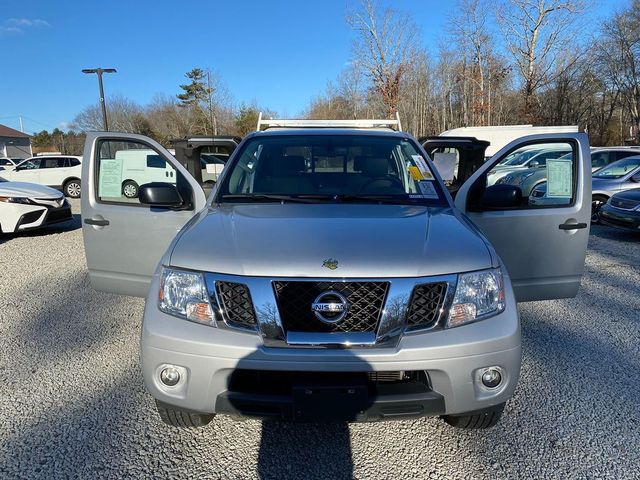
(491, 378)
(170, 376)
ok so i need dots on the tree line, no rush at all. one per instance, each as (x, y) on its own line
(502, 62)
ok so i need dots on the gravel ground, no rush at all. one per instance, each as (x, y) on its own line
(73, 405)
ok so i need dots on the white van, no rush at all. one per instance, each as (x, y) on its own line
(140, 166)
(498, 137)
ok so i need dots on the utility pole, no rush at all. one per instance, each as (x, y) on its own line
(21, 125)
(99, 72)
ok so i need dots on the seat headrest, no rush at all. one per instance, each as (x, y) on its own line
(282, 165)
(375, 167)
(291, 164)
(359, 161)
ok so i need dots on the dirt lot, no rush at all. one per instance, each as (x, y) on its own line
(73, 405)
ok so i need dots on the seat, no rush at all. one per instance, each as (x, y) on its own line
(282, 175)
(377, 180)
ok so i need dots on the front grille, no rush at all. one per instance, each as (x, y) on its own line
(58, 215)
(366, 300)
(624, 204)
(426, 302)
(236, 304)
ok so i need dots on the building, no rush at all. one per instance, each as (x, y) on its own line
(14, 144)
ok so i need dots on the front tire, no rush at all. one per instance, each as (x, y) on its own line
(596, 204)
(485, 418)
(182, 418)
(130, 189)
(72, 188)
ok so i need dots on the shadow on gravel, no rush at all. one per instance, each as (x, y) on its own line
(612, 233)
(294, 450)
(73, 224)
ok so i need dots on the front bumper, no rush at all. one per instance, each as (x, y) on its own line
(24, 217)
(451, 359)
(624, 219)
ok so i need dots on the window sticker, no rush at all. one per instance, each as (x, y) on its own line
(427, 189)
(559, 178)
(110, 180)
(446, 165)
(416, 174)
(422, 167)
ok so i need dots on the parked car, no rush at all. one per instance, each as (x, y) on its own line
(622, 210)
(7, 163)
(526, 159)
(62, 172)
(330, 276)
(531, 178)
(25, 206)
(616, 177)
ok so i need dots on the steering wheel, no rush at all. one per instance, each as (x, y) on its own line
(388, 182)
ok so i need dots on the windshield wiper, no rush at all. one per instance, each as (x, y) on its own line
(387, 199)
(269, 198)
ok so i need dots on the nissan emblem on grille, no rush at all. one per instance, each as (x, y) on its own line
(330, 307)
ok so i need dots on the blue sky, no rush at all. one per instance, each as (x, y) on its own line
(280, 53)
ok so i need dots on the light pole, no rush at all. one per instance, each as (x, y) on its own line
(99, 72)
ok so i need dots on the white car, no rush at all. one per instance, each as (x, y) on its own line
(62, 172)
(7, 163)
(24, 206)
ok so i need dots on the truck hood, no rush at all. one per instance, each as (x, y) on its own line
(294, 240)
(28, 190)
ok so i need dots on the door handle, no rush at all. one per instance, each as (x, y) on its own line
(97, 222)
(572, 226)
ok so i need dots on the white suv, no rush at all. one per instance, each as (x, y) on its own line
(60, 171)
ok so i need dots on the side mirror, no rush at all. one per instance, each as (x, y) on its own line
(534, 164)
(501, 196)
(160, 194)
(636, 178)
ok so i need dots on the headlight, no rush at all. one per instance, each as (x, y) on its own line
(15, 200)
(478, 295)
(184, 294)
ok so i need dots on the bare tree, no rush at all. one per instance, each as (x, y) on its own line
(619, 58)
(384, 48)
(535, 31)
(124, 116)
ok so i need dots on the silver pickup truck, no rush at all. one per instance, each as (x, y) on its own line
(330, 275)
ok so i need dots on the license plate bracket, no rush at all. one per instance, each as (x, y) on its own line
(329, 402)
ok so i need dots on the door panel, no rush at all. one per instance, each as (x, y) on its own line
(543, 240)
(124, 240)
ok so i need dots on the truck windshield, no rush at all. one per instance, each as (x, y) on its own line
(330, 168)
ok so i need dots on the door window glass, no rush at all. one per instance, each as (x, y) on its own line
(30, 164)
(543, 174)
(123, 167)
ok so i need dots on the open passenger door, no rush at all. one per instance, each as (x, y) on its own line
(540, 234)
(125, 239)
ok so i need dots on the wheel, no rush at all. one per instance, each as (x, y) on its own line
(182, 418)
(130, 189)
(596, 204)
(72, 188)
(485, 418)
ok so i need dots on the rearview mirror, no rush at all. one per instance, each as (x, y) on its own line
(160, 194)
(501, 196)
